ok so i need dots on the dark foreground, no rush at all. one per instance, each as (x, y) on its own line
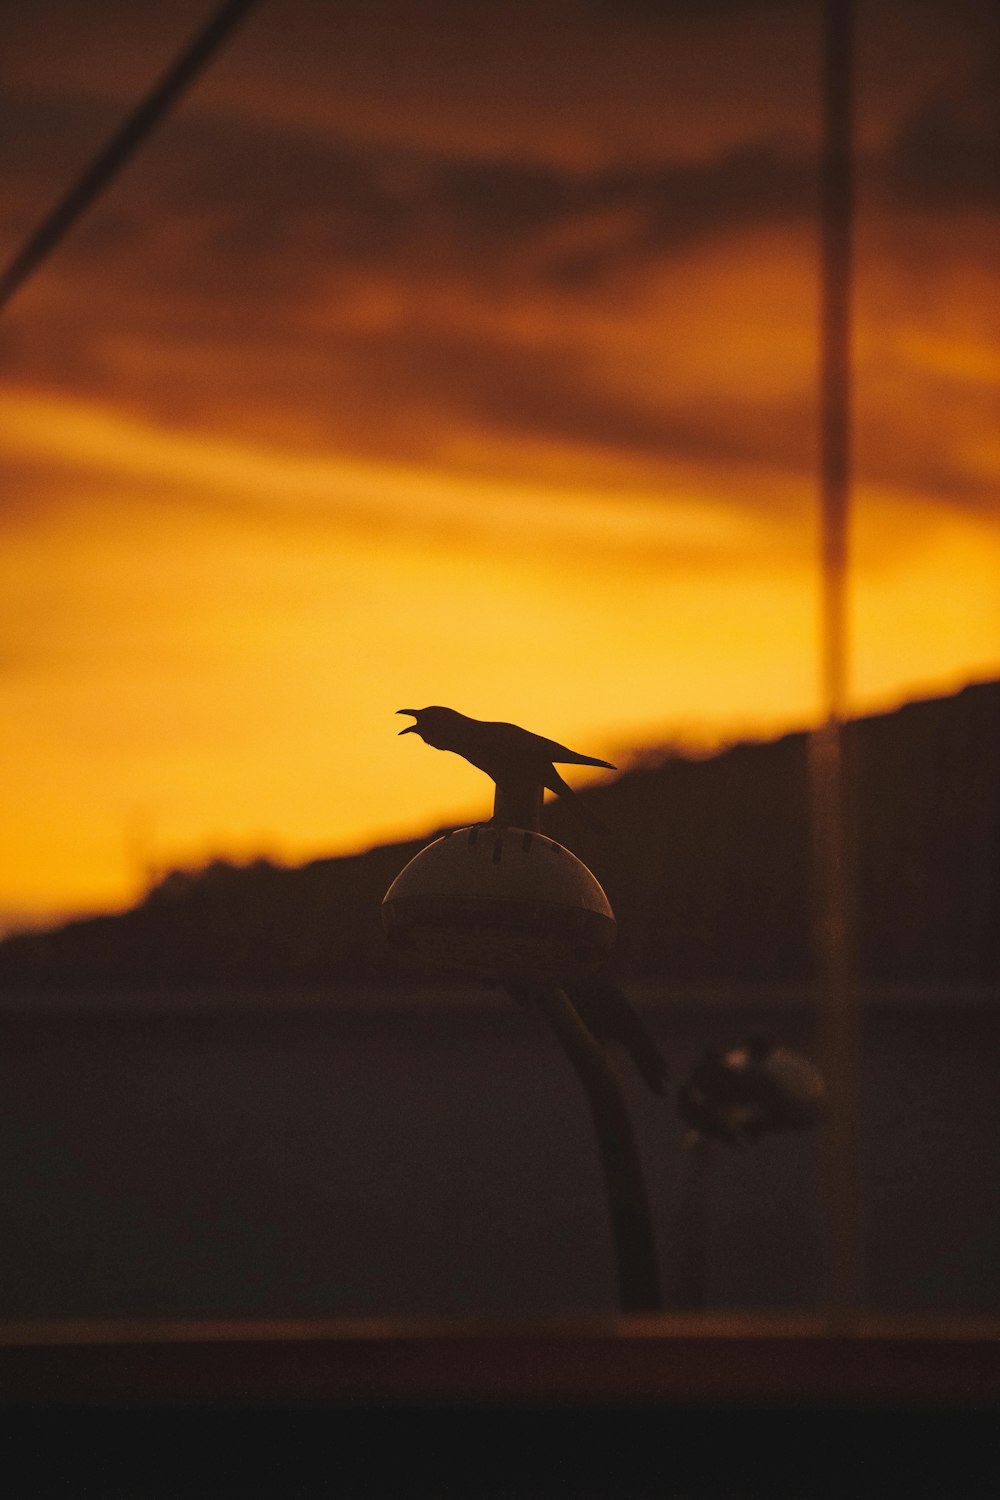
(651, 1407)
(205, 1157)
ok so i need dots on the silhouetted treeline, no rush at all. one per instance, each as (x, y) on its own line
(708, 866)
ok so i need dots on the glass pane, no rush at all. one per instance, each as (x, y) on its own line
(470, 356)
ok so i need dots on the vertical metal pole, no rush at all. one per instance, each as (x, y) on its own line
(839, 1017)
(690, 1288)
(836, 224)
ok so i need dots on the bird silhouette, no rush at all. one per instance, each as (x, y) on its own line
(517, 760)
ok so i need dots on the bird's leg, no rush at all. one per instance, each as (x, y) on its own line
(517, 804)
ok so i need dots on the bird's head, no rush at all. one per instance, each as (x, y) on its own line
(434, 725)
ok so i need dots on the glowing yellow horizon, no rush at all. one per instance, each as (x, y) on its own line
(212, 636)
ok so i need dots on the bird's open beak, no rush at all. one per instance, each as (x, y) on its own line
(410, 728)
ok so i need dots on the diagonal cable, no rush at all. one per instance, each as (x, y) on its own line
(126, 140)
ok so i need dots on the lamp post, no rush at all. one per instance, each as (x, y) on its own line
(503, 903)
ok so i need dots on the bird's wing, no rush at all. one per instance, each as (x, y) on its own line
(511, 740)
(553, 751)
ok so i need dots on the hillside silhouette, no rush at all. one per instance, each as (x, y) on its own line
(708, 867)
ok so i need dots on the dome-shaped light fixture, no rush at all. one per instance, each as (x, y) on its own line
(500, 904)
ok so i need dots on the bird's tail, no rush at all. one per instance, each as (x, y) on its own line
(585, 760)
(610, 1015)
(555, 783)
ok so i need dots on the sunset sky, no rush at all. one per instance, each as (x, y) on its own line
(465, 353)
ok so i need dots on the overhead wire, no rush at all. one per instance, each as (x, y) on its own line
(165, 93)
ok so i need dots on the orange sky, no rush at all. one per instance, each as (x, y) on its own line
(416, 361)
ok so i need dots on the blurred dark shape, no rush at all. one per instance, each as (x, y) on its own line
(500, 904)
(610, 1015)
(743, 1092)
(519, 762)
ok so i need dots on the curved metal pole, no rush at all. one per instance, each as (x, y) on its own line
(631, 1220)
